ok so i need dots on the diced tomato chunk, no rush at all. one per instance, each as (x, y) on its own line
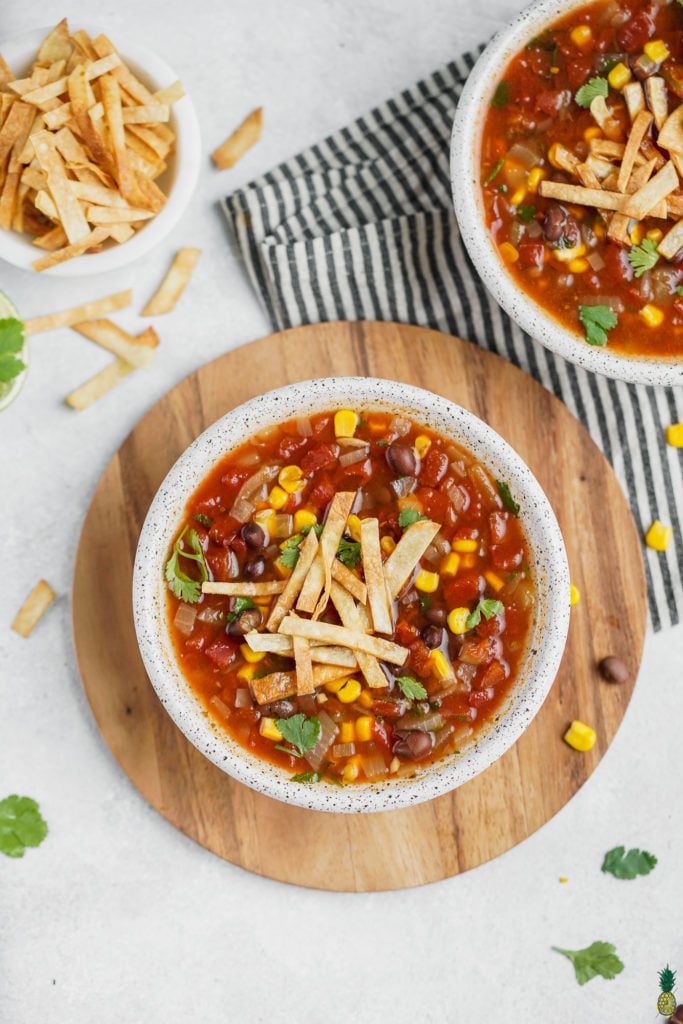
(435, 504)
(217, 560)
(418, 659)
(222, 652)
(235, 476)
(224, 528)
(323, 491)
(405, 633)
(388, 708)
(290, 448)
(480, 697)
(498, 524)
(492, 675)
(382, 734)
(531, 254)
(434, 467)
(506, 556)
(635, 33)
(323, 456)
(201, 635)
(466, 587)
(579, 69)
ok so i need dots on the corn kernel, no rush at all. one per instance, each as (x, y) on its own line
(508, 252)
(422, 445)
(658, 536)
(655, 234)
(350, 770)
(674, 435)
(303, 518)
(450, 564)
(536, 176)
(347, 733)
(562, 879)
(581, 36)
(251, 656)
(592, 133)
(518, 196)
(465, 544)
(410, 501)
(656, 50)
(579, 266)
(363, 727)
(652, 315)
(636, 234)
(619, 76)
(291, 478)
(574, 595)
(345, 423)
(567, 255)
(268, 728)
(468, 560)
(599, 230)
(365, 699)
(264, 519)
(353, 524)
(283, 571)
(277, 497)
(246, 673)
(553, 154)
(349, 692)
(394, 765)
(336, 684)
(494, 581)
(440, 665)
(387, 544)
(457, 620)
(427, 582)
(580, 736)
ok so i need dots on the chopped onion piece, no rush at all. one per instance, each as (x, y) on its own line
(521, 154)
(220, 706)
(373, 762)
(403, 486)
(485, 487)
(399, 426)
(343, 749)
(242, 510)
(426, 723)
(350, 458)
(233, 566)
(328, 730)
(243, 698)
(303, 426)
(458, 496)
(265, 475)
(211, 615)
(251, 458)
(281, 525)
(184, 618)
(596, 261)
(464, 674)
(352, 442)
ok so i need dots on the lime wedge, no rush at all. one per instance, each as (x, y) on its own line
(10, 389)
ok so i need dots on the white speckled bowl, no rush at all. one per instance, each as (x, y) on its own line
(178, 181)
(548, 561)
(465, 162)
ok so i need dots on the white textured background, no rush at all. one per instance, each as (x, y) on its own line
(120, 919)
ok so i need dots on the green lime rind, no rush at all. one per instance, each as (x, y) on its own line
(10, 389)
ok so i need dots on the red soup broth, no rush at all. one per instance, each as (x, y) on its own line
(461, 618)
(543, 126)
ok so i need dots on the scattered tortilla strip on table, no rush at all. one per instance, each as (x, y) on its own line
(241, 140)
(77, 314)
(138, 350)
(173, 285)
(99, 385)
(33, 608)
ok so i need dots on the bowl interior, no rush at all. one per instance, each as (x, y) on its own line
(466, 141)
(177, 182)
(549, 566)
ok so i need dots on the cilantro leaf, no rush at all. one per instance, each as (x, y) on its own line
(597, 320)
(506, 497)
(487, 606)
(348, 553)
(588, 92)
(183, 586)
(303, 733)
(597, 959)
(21, 825)
(407, 516)
(628, 865)
(679, 288)
(204, 520)
(526, 213)
(289, 554)
(501, 96)
(495, 171)
(241, 605)
(306, 778)
(643, 257)
(411, 689)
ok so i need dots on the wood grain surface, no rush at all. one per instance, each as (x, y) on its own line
(431, 841)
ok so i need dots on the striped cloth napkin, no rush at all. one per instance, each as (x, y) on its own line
(361, 227)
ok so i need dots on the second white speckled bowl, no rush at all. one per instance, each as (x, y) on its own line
(548, 565)
(467, 198)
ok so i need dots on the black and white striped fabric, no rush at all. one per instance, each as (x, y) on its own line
(361, 227)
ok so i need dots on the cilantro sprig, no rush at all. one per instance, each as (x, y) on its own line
(486, 606)
(643, 257)
(21, 825)
(303, 733)
(11, 343)
(241, 605)
(407, 516)
(597, 320)
(588, 92)
(495, 171)
(526, 213)
(506, 497)
(501, 96)
(349, 553)
(183, 586)
(411, 689)
(289, 554)
(597, 959)
(629, 865)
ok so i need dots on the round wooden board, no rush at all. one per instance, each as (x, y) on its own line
(430, 841)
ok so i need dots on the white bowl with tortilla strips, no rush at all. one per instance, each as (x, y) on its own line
(178, 181)
(548, 567)
(466, 141)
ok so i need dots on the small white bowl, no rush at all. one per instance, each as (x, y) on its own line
(178, 181)
(467, 199)
(548, 564)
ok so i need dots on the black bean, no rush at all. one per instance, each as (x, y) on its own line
(613, 670)
(412, 744)
(401, 460)
(559, 224)
(253, 536)
(437, 616)
(253, 568)
(247, 620)
(432, 636)
(279, 709)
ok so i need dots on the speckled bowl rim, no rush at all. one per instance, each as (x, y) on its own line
(465, 155)
(548, 562)
(181, 177)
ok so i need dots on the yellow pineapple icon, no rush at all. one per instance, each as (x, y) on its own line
(666, 1004)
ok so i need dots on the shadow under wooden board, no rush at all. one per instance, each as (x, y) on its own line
(457, 831)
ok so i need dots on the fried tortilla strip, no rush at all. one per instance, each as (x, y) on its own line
(407, 553)
(33, 608)
(52, 239)
(241, 140)
(352, 618)
(672, 241)
(116, 214)
(287, 599)
(93, 242)
(173, 285)
(378, 597)
(77, 314)
(126, 79)
(99, 385)
(17, 124)
(335, 524)
(113, 115)
(671, 134)
(655, 92)
(152, 113)
(274, 686)
(349, 581)
(10, 187)
(638, 129)
(602, 199)
(138, 351)
(81, 98)
(641, 202)
(170, 93)
(304, 666)
(71, 215)
(310, 592)
(277, 643)
(56, 45)
(386, 650)
(634, 98)
(236, 588)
